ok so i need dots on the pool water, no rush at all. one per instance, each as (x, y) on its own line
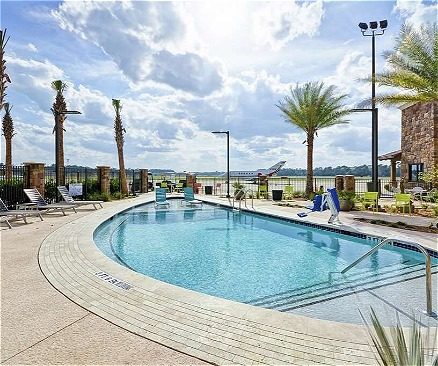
(251, 258)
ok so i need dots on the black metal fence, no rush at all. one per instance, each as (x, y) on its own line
(12, 183)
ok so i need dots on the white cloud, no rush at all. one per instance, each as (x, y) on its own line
(279, 22)
(31, 47)
(417, 12)
(142, 38)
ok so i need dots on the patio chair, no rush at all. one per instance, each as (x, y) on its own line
(372, 199)
(179, 187)
(69, 199)
(403, 200)
(288, 192)
(164, 185)
(189, 197)
(160, 198)
(263, 191)
(36, 198)
(5, 213)
(417, 193)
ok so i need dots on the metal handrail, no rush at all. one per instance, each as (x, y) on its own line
(423, 250)
(243, 198)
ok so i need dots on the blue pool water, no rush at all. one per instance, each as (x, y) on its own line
(251, 258)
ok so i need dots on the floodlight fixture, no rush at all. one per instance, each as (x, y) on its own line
(363, 26)
(373, 25)
(383, 24)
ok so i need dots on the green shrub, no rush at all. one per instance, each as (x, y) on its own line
(50, 191)
(117, 196)
(114, 185)
(298, 194)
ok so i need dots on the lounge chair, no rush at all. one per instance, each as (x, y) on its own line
(164, 185)
(69, 199)
(36, 198)
(189, 197)
(417, 193)
(5, 213)
(160, 198)
(371, 199)
(288, 192)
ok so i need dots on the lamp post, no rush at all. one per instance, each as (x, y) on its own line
(372, 30)
(59, 159)
(228, 159)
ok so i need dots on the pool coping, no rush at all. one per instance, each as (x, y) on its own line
(213, 329)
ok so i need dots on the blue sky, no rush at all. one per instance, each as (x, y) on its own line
(184, 69)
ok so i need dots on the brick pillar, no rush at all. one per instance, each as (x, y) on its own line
(349, 183)
(190, 180)
(35, 176)
(144, 181)
(103, 173)
(339, 183)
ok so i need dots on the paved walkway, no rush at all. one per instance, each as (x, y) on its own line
(40, 326)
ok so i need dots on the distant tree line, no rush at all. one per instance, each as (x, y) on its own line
(358, 171)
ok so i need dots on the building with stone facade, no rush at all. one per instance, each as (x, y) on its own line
(419, 142)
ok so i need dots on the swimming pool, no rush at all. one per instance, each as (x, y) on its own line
(263, 261)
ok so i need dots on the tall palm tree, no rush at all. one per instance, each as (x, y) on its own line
(119, 132)
(413, 66)
(8, 133)
(4, 78)
(312, 107)
(59, 106)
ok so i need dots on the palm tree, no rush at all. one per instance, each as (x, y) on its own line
(4, 78)
(414, 66)
(119, 132)
(312, 107)
(8, 133)
(58, 109)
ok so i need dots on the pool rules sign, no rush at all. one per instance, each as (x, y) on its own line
(75, 189)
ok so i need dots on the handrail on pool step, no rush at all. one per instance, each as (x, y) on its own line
(244, 191)
(429, 310)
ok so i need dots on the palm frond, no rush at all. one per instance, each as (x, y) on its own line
(59, 86)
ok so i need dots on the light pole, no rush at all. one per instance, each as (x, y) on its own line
(374, 29)
(59, 158)
(228, 159)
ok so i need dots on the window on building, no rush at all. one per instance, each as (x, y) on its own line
(414, 171)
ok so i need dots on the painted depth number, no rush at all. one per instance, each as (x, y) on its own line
(114, 281)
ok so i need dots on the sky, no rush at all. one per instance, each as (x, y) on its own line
(184, 69)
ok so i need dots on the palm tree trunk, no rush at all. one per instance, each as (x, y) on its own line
(8, 159)
(309, 178)
(59, 136)
(123, 182)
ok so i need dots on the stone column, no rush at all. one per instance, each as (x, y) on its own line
(144, 181)
(103, 173)
(339, 183)
(349, 183)
(35, 176)
(190, 180)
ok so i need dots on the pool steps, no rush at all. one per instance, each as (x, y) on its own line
(347, 285)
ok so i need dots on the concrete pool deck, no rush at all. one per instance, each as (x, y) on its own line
(39, 325)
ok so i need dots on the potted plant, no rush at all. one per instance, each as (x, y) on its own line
(346, 200)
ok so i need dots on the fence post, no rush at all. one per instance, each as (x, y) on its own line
(103, 173)
(35, 176)
(133, 182)
(85, 185)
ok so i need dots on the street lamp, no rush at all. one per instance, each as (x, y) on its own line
(372, 30)
(228, 159)
(59, 160)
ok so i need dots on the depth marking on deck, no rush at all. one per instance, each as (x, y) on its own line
(112, 280)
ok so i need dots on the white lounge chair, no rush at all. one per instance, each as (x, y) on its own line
(36, 198)
(5, 213)
(69, 199)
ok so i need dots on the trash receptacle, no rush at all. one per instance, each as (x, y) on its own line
(277, 194)
(208, 189)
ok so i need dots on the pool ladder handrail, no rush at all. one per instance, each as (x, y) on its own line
(244, 191)
(429, 310)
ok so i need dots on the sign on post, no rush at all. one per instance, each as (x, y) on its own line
(75, 189)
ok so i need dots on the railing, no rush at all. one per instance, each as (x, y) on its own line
(243, 197)
(429, 310)
(12, 182)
